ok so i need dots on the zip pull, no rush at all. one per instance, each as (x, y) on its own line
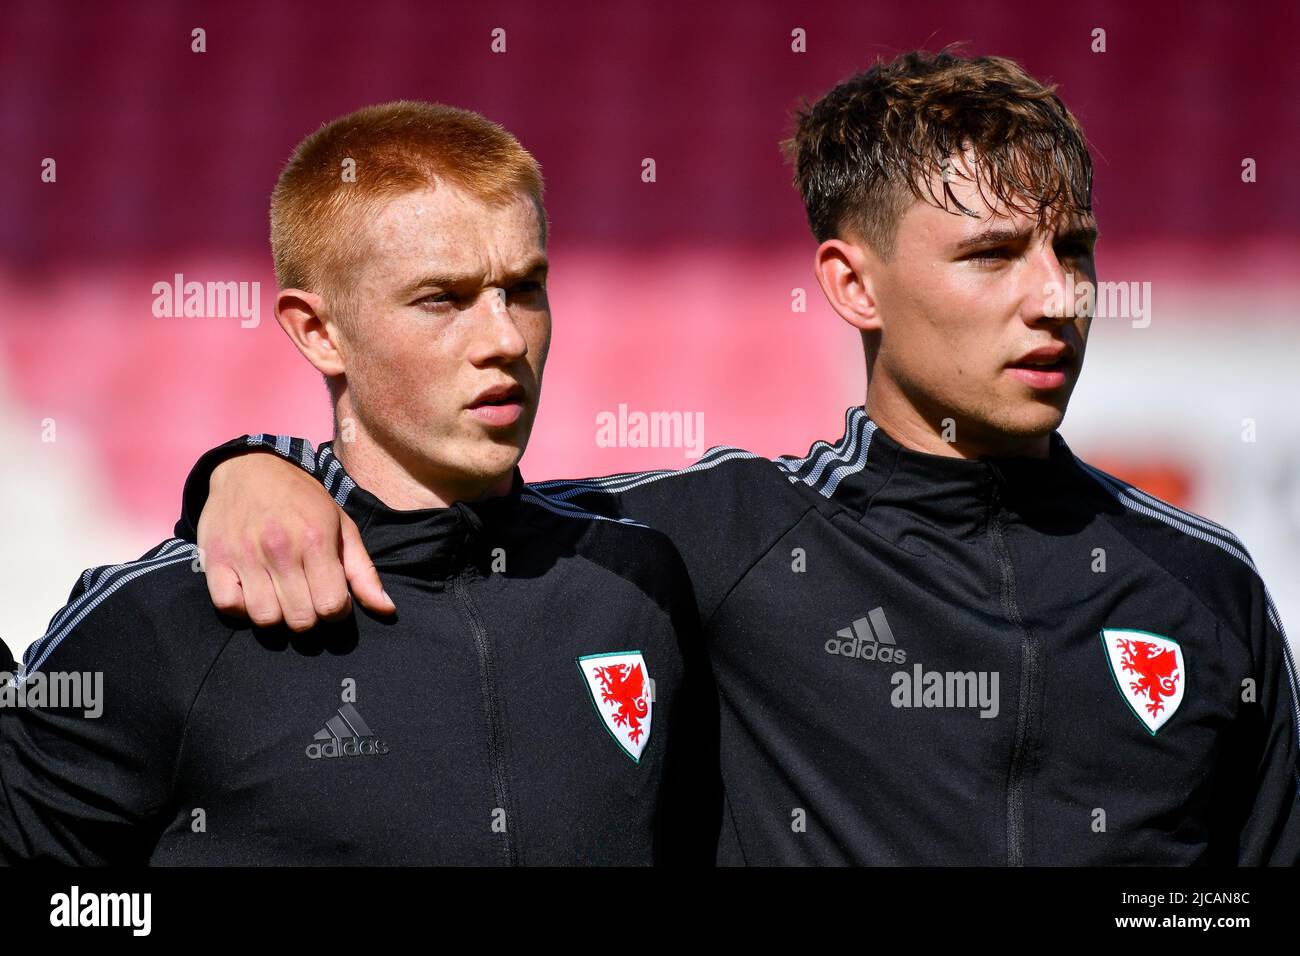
(470, 536)
(473, 523)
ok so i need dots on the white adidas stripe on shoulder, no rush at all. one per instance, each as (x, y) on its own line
(333, 468)
(554, 504)
(283, 445)
(175, 551)
(612, 484)
(850, 451)
(818, 452)
(334, 475)
(853, 466)
(1135, 499)
(95, 578)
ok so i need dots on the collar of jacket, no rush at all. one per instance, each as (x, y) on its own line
(955, 493)
(427, 543)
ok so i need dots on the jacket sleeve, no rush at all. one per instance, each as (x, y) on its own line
(298, 451)
(92, 723)
(722, 514)
(1270, 835)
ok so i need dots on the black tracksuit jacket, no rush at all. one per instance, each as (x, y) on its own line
(463, 730)
(856, 600)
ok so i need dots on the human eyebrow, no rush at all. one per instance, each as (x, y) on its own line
(992, 237)
(436, 281)
(1086, 234)
(533, 269)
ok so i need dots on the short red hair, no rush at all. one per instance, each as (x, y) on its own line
(395, 148)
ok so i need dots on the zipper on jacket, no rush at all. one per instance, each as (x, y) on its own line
(492, 711)
(1029, 677)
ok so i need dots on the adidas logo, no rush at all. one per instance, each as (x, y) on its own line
(868, 638)
(346, 734)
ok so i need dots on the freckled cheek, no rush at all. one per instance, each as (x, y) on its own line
(411, 377)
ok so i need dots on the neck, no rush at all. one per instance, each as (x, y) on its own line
(402, 486)
(929, 434)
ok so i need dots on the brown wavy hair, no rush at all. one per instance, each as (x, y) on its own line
(872, 144)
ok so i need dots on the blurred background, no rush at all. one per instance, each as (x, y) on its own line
(672, 295)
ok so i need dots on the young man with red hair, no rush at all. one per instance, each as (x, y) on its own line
(498, 715)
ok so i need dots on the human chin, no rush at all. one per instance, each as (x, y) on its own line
(1032, 419)
(489, 471)
(495, 454)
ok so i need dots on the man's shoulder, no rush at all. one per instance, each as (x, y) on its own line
(152, 606)
(727, 476)
(1208, 558)
(729, 505)
(726, 506)
(589, 525)
(720, 467)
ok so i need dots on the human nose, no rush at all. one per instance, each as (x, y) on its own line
(1051, 288)
(497, 336)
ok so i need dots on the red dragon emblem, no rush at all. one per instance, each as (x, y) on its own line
(1156, 669)
(623, 685)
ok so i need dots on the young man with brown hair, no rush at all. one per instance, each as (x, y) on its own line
(499, 715)
(942, 638)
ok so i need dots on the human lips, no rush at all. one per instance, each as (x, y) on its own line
(1046, 367)
(498, 405)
